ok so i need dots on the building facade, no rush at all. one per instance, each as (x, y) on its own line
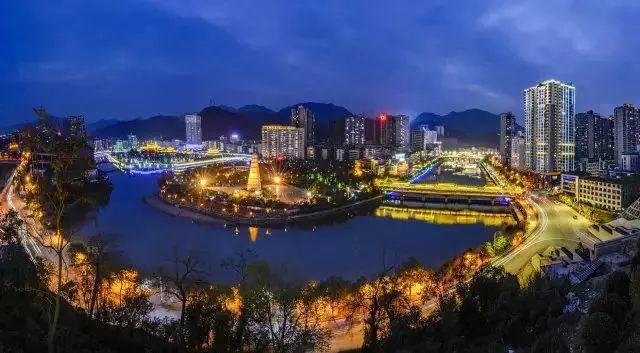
(594, 138)
(630, 162)
(517, 160)
(282, 141)
(626, 130)
(337, 132)
(549, 110)
(305, 119)
(401, 126)
(422, 138)
(507, 131)
(392, 130)
(193, 124)
(354, 130)
(613, 194)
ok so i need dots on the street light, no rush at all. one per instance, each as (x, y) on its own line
(277, 180)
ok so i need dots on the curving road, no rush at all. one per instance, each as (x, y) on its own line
(559, 225)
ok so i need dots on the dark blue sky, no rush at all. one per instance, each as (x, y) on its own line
(128, 58)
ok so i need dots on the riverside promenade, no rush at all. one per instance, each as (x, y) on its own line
(200, 217)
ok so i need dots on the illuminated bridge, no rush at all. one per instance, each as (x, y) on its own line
(143, 166)
(491, 195)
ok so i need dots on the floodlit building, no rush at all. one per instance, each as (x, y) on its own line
(305, 119)
(613, 194)
(193, 124)
(282, 140)
(253, 182)
(549, 110)
(507, 131)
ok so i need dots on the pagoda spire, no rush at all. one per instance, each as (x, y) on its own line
(254, 183)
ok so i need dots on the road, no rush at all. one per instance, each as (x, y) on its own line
(557, 227)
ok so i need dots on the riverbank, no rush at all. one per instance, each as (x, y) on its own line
(199, 217)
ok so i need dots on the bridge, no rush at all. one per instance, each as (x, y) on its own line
(448, 193)
(496, 193)
(150, 167)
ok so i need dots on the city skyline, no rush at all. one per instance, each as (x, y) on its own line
(81, 64)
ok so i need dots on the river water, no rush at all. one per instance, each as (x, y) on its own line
(146, 239)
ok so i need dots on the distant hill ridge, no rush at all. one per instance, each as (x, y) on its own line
(222, 120)
(475, 126)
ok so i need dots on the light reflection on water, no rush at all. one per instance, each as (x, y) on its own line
(446, 216)
(146, 237)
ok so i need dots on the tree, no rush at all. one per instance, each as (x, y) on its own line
(208, 321)
(65, 152)
(182, 281)
(552, 341)
(92, 259)
(240, 265)
(284, 315)
(380, 301)
(612, 305)
(618, 283)
(599, 333)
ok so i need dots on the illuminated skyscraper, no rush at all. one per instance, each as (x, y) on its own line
(401, 127)
(549, 109)
(517, 152)
(594, 138)
(282, 140)
(193, 124)
(392, 130)
(507, 131)
(133, 141)
(304, 118)
(74, 125)
(354, 130)
(627, 132)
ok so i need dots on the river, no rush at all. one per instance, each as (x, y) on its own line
(146, 238)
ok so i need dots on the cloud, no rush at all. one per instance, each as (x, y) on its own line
(548, 32)
(138, 57)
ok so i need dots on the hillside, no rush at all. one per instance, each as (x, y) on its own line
(220, 120)
(324, 112)
(473, 126)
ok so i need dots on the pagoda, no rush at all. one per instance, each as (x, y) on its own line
(254, 184)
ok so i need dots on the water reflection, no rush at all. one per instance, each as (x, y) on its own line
(253, 234)
(445, 216)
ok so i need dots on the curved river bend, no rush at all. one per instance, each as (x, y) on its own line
(147, 237)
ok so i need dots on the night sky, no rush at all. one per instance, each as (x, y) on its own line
(128, 58)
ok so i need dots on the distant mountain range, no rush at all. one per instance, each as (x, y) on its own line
(221, 120)
(472, 126)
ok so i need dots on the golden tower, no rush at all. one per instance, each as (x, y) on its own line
(254, 184)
